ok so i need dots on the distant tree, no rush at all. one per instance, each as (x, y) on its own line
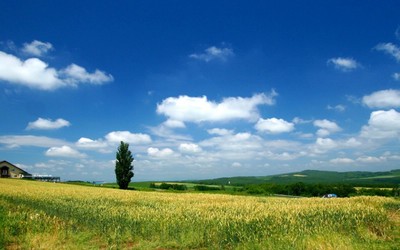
(123, 166)
(298, 188)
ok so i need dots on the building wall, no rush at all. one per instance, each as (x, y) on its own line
(12, 171)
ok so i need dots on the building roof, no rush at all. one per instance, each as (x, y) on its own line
(12, 165)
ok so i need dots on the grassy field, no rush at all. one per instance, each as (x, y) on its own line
(35, 215)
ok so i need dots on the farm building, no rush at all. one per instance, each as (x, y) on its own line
(8, 170)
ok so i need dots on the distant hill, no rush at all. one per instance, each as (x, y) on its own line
(360, 178)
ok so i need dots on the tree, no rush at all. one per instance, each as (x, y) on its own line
(123, 166)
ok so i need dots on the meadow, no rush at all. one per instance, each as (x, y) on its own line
(36, 215)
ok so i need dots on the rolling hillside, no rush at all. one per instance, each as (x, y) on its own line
(356, 178)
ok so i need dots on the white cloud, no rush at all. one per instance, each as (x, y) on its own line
(323, 132)
(285, 156)
(219, 131)
(251, 148)
(298, 120)
(32, 72)
(352, 143)
(233, 146)
(382, 124)
(353, 99)
(87, 143)
(174, 124)
(213, 53)
(389, 48)
(369, 159)
(37, 74)
(342, 161)
(389, 98)
(326, 127)
(189, 148)
(200, 109)
(30, 140)
(396, 76)
(274, 126)
(48, 124)
(322, 145)
(128, 137)
(37, 48)
(236, 164)
(64, 151)
(155, 152)
(168, 133)
(76, 74)
(344, 64)
(338, 108)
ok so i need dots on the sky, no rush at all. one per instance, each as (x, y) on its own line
(199, 89)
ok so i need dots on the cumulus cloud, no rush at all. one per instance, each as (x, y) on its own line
(219, 131)
(76, 74)
(390, 49)
(47, 124)
(32, 72)
(274, 126)
(37, 48)
(382, 124)
(389, 98)
(213, 53)
(343, 64)
(174, 124)
(326, 127)
(155, 152)
(200, 109)
(189, 148)
(37, 74)
(128, 137)
(64, 151)
(352, 143)
(323, 145)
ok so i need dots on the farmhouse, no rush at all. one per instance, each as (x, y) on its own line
(8, 170)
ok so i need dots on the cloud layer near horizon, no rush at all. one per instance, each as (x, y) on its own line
(226, 147)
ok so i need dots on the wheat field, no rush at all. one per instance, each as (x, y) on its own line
(36, 215)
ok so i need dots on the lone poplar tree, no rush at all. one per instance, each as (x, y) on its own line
(123, 166)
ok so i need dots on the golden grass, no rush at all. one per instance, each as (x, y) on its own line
(41, 215)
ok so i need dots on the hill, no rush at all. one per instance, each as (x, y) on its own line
(355, 178)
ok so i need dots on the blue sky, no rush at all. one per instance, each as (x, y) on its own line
(199, 89)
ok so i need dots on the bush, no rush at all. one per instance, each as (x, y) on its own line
(167, 186)
(205, 188)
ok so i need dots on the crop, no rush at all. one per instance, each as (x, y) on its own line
(53, 215)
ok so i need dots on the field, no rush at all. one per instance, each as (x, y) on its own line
(35, 215)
